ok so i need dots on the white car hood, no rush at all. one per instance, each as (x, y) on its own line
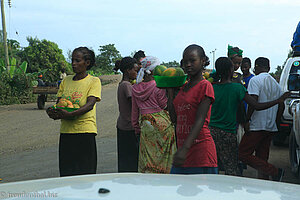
(135, 186)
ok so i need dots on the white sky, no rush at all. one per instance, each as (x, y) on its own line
(162, 28)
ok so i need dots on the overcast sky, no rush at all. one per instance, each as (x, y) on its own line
(162, 28)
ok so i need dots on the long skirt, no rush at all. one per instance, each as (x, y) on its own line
(77, 154)
(157, 143)
(227, 150)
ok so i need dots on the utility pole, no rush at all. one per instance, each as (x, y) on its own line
(213, 53)
(4, 36)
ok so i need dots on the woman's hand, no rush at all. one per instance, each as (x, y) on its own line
(63, 114)
(58, 113)
(52, 113)
(179, 157)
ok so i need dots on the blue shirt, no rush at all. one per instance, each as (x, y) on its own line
(247, 79)
(246, 82)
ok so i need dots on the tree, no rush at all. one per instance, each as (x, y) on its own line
(69, 54)
(279, 69)
(44, 56)
(290, 53)
(277, 73)
(105, 61)
(14, 49)
(171, 64)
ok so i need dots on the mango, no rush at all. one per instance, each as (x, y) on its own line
(70, 106)
(158, 70)
(169, 72)
(76, 105)
(65, 103)
(206, 75)
(69, 102)
(62, 103)
(179, 71)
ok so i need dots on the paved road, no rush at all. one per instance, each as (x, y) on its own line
(29, 142)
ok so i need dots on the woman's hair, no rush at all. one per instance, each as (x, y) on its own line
(246, 60)
(124, 64)
(223, 67)
(87, 55)
(200, 51)
(138, 55)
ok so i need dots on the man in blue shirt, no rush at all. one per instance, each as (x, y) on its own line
(246, 65)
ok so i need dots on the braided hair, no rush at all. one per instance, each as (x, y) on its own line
(87, 55)
(124, 64)
(224, 67)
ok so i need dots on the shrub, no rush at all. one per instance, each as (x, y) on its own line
(15, 90)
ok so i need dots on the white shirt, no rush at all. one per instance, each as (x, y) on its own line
(267, 89)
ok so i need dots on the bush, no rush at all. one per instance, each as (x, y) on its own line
(5, 89)
(15, 90)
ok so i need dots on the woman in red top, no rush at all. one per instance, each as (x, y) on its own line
(191, 108)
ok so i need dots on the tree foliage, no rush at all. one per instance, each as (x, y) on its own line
(14, 48)
(105, 60)
(44, 55)
(277, 73)
(279, 69)
(171, 64)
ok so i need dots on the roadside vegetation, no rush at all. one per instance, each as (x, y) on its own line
(46, 58)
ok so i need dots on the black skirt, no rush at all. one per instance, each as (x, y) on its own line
(77, 154)
(127, 151)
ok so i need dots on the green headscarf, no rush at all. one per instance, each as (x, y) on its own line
(234, 51)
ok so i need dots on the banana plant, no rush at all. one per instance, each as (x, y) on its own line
(22, 68)
(12, 67)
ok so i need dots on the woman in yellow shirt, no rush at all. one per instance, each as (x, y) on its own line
(77, 144)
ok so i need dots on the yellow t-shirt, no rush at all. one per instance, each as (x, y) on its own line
(78, 92)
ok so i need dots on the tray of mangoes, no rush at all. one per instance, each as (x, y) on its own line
(67, 105)
(169, 77)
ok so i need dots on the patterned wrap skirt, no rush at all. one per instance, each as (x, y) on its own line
(157, 143)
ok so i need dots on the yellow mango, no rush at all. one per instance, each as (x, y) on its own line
(76, 105)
